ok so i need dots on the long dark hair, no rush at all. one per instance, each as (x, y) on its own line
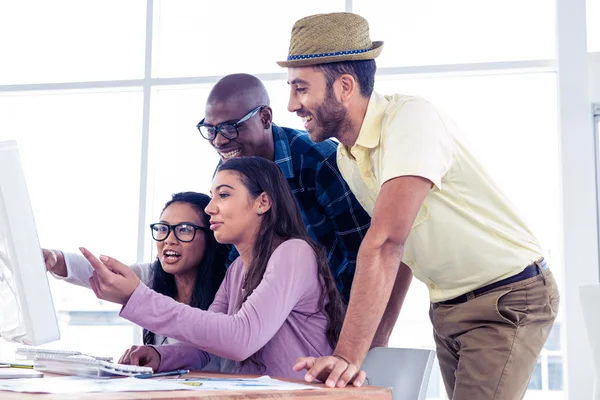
(211, 269)
(283, 222)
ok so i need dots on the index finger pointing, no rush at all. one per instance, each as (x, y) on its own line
(115, 265)
(102, 270)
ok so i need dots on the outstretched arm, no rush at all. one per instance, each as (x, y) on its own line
(183, 355)
(290, 274)
(75, 269)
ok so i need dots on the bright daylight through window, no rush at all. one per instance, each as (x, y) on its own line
(121, 138)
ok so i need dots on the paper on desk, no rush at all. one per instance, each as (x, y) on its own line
(77, 384)
(262, 383)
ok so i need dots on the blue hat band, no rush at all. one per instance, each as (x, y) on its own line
(337, 53)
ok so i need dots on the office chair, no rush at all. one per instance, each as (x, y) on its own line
(406, 371)
(589, 295)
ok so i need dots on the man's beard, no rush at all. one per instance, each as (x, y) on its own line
(331, 117)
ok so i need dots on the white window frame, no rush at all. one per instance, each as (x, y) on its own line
(577, 144)
(596, 113)
(578, 190)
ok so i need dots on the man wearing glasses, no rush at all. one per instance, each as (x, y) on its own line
(239, 122)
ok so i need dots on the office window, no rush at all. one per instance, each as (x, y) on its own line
(553, 342)
(71, 41)
(279, 93)
(222, 37)
(179, 158)
(535, 383)
(81, 158)
(82, 162)
(555, 373)
(430, 32)
(91, 140)
(547, 380)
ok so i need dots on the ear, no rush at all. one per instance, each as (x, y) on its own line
(262, 203)
(347, 87)
(266, 117)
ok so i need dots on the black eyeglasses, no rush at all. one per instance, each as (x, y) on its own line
(229, 129)
(184, 232)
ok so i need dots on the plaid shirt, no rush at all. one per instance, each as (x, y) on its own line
(331, 213)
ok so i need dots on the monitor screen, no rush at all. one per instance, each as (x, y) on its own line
(26, 307)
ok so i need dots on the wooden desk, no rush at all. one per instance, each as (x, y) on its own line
(348, 393)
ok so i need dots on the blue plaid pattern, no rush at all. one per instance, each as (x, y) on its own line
(331, 213)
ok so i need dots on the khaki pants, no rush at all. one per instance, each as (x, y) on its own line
(488, 346)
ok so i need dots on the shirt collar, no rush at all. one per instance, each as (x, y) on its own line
(370, 130)
(282, 154)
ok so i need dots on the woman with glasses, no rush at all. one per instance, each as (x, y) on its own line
(278, 299)
(190, 263)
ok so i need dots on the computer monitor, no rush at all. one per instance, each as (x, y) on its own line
(26, 307)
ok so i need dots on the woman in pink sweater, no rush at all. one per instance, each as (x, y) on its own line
(278, 301)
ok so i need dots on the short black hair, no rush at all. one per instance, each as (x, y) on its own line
(362, 70)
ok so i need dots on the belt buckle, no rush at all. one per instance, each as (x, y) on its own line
(541, 269)
(540, 263)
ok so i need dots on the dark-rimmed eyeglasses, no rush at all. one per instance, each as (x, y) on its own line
(228, 129)
(184, 232)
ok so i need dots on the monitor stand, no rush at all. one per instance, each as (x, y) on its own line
(10, 310)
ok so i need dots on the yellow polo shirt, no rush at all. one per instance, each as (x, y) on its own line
(466, 234)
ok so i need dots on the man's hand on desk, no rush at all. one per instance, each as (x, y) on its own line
(332, 370)
(112, 280)
(144, 356)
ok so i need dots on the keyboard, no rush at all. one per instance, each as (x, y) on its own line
(30, 353)
(81, 365)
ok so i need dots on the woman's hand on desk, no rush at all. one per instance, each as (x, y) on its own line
(112, 280)
(144, 356)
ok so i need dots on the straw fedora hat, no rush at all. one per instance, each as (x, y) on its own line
(328, 38)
